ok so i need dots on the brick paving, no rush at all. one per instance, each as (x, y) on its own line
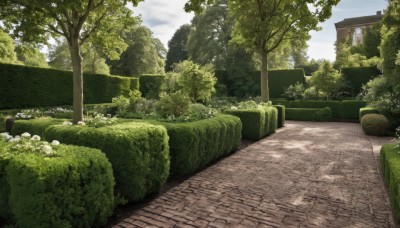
(305, 175)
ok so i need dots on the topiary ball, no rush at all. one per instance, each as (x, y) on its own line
(375, 124)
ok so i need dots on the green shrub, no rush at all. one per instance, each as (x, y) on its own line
(174, 105)
(73, 188)
(390, 166)
(350, 109)
(309, 114)
(367, 110)
(253, 122)
(22, 86)
(271, 121)
(333, 105)
(281, 115)
(196, 144)
(150, 85)
(138, 152)
(375, 124)
(256, 122)
(34, 126)
(358, 76)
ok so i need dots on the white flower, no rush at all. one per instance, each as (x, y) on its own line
(234, 108)
(47, 149)
(81, 123)
(45, 143)
(55, 143)
(35, 138)
(66, 123)
(14, 140)
(26, 135)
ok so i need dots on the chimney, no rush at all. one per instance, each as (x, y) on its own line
(379, 13)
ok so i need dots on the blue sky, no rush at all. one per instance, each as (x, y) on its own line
(163, 17)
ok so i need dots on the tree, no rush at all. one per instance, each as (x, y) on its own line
(209, 39)
(198, 82)
(390, 42)
(7, 48)
(264, 25)
(142, 55)
(326, 79)
(345, 57)
(177, 47)
(92, 62)
(78, 21)
(31, 56)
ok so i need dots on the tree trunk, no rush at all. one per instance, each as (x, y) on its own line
(264, 74)
(76, 58)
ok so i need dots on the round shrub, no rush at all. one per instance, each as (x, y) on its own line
(374, 124)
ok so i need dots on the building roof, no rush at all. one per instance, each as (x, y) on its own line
(348, 22)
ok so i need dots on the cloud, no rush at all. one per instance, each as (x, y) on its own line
(163, 17)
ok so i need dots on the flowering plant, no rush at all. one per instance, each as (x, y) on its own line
(27, 114)
(25, 143)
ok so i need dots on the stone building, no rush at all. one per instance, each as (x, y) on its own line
(353, 28)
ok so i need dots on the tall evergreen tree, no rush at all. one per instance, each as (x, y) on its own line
(177, 47)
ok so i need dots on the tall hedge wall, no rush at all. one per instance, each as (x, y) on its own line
(22, 87)
(250, 82)
(357, 76)
(150, 85)
(138, 152)
(196, 144)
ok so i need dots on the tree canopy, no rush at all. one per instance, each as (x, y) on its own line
(264, 25)
(7, 48)
(96, 21)
(143, 55)
(177, 47)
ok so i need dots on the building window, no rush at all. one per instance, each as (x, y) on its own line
(357, 36)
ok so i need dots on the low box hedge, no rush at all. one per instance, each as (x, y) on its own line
(367, 110)
(253, 122)
(256, 123)
(333, 105)
(196, 144)
(309, 114)
(390, 166)
(281, 101)
(73, 188)
(281, 115)
(34, 126)
(350, 109)
(138, 152)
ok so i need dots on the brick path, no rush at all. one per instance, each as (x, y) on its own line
(305, 175)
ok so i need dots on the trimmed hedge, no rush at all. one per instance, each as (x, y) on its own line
(196, 144)
(367, 110)
(34, 126)
(333, 105)
(358, 76)
(138, 152)
(150, 85)
(250, 82)
(350, 109)
(309, 114)
(390, 165)
(281, 115)
(256, 123)
(375, 124)
(72, 189)
(281, 101)
(22, 86)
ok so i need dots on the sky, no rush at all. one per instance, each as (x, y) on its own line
(164, 17)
